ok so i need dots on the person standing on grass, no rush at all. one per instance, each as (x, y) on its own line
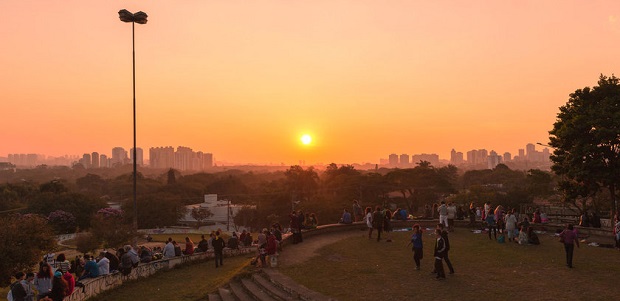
(472, 215)
(511, 225)
(218, 247)
(418, 247)
(444, 235)
(440, 249)
(490, 220)
(357, 211)
(451, 216)
(378, 218)
(387, 225)
(443, 213)
(368, 219)
(569, 238)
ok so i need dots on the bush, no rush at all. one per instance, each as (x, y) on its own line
(87, 243)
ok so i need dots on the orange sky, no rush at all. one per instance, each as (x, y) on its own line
(245, 79)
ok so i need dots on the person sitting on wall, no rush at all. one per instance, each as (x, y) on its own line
(233, 241)
(189, 246)
(203, 245)
(346, 217)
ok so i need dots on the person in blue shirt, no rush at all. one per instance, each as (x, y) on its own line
(91, 270)
(418, 246)
(490, 220)
(346, 217)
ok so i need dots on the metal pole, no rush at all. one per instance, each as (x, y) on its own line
(135, 174)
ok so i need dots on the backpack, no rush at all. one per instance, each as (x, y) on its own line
(9, 295)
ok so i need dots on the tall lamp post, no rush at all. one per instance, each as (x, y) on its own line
(140, 18)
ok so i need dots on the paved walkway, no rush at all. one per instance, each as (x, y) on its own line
(302, 252)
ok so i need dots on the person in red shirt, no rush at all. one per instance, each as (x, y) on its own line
(189, 246)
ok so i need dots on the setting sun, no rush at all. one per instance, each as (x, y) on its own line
(306, 139)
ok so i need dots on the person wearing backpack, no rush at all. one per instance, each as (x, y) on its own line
(17, 291)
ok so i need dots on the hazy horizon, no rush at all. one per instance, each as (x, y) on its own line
(245, 80)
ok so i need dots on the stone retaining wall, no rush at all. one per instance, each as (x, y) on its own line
(94, 286)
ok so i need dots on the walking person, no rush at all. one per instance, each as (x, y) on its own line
(218, 247)
(440, 248)
(569, 238)
(378, 218)
(446, 258)
(417, 246)
(368, 219)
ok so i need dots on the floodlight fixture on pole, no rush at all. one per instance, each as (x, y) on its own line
(140, 18)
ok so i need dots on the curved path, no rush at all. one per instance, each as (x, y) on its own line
(300, 253)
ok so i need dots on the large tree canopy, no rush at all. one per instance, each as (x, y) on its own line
(586, 141)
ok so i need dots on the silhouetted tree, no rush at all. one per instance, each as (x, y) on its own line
(586, 141)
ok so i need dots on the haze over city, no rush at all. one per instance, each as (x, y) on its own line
(246, 80)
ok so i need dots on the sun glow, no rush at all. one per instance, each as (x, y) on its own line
(306, 139)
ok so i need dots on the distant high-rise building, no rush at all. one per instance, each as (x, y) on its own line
(507, 157)
(139, 155)
(183, 158)
(86, 161)
(493, 160)
(475, 157)
(393, 159)
(205, 160)
(530, 152)
(456, 158)
(522, 154)
(404, 160)
(161, 157)
(94, 157)
(103, 161)
(119, 156)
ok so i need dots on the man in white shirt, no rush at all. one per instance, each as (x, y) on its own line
(103, 264)
(443, 214)
(169, 249)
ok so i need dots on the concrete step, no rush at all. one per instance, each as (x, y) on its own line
(258, 292)
(214, 297)
(271, 288)
(296, 290)
(239, 292)
(226, 294)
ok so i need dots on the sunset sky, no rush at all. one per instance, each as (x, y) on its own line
(245, 80)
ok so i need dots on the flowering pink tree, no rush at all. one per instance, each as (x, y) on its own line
(110, 227)
(62, 221)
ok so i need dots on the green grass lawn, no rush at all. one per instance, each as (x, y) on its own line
(191, 282)
(360, 269)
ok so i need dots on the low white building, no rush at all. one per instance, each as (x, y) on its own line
(223, 213)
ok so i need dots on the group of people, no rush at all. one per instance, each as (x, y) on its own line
(299, 221)
(48, 284)
(379, 220)
(506, 224)
(441, 250)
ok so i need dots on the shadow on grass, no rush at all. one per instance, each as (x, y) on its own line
(365, 269)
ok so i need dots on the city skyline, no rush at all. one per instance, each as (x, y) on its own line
(167, 154)
(245, 81)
